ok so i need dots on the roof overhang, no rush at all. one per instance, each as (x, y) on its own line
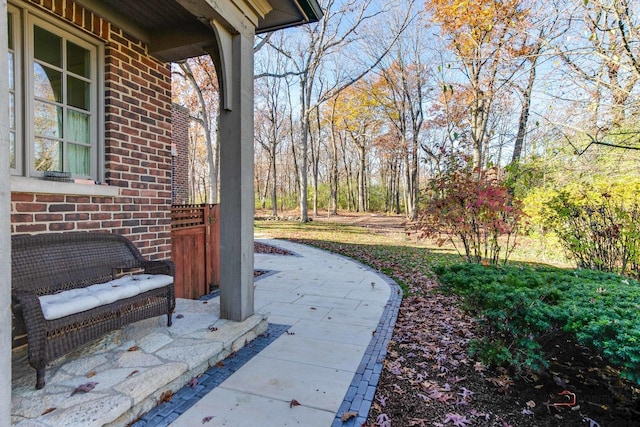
(179, 29)
(289, 13)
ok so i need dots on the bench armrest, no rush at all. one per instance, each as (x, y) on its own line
(28, 305)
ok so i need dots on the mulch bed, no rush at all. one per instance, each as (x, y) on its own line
(262, 248)
(429, 379)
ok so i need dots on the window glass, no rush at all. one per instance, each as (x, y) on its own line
(12, 81)
(78, 60)
(78, 159)
(12, 95)
(47, 119)
(78, 92)
(47, 83)
(47, 155)
(10, 28)
(47, 46)
(78, 127)
(12, 149)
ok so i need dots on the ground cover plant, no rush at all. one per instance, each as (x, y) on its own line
(431, 375)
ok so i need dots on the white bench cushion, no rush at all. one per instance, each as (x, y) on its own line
(78, 300)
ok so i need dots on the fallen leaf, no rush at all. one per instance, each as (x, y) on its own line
(293, 403)
(205, 302)
(134, 348)
(166, 396)
(179, 316)
(48, 411)
(206, 419)
(313, 308)
(220, 364)
(193, 382)
(531, 404)
(92, 374)
(348, 415)
(84, 388)
(132, 373)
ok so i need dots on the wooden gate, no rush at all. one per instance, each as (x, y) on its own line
(195, 249)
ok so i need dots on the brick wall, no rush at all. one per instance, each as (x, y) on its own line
(180, 161)
(137, 148)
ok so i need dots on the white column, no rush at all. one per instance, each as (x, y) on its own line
(5, 230)
(235, 74)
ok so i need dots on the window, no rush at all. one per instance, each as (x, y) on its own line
(54, 98)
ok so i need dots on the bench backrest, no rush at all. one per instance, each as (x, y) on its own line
(47, 263)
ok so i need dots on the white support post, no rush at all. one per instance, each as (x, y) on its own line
(5, 229)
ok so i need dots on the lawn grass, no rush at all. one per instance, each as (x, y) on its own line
(519, 303)
(382, 251)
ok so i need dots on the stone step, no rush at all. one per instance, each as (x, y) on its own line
(134, 368)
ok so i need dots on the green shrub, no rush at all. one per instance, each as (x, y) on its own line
(519, 307)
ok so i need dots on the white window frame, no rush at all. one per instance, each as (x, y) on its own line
(17, 77)
(24, 19)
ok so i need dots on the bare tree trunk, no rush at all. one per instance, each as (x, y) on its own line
(524, 112)
(362, 177)
(334, 166)
(274, 187)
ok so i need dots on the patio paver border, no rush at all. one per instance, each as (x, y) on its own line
(167, 412)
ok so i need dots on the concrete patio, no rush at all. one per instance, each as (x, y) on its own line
(340, 316)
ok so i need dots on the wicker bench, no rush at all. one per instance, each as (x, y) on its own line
(56, 280)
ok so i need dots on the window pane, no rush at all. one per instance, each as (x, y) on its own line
(47, 120)
(78, 159)
(12, 150)
(78, 127)
(10, 28)
(78, 93)
(47, 83)
(47, 46)
(78, 60)
(47, 155)
(12, 111)
(12, 83)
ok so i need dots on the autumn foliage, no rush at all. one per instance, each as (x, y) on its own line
(474, 212)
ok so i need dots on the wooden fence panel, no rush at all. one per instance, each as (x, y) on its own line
(195, 248)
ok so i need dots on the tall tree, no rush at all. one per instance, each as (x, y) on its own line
(202, 97)
(271, 119)
(311, 57)
(402, 90)
(602, 57)
(482, 34)
(356, 114)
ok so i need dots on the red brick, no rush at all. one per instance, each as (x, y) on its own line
(31, 207)
(52, 198)
(22, 197)
(15, 218)
(88, 225)
(62, 208)
(61, 226)
(30, 228)
(48, 217)
(76, 217)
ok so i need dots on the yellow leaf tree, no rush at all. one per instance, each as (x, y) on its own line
(485, 35)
